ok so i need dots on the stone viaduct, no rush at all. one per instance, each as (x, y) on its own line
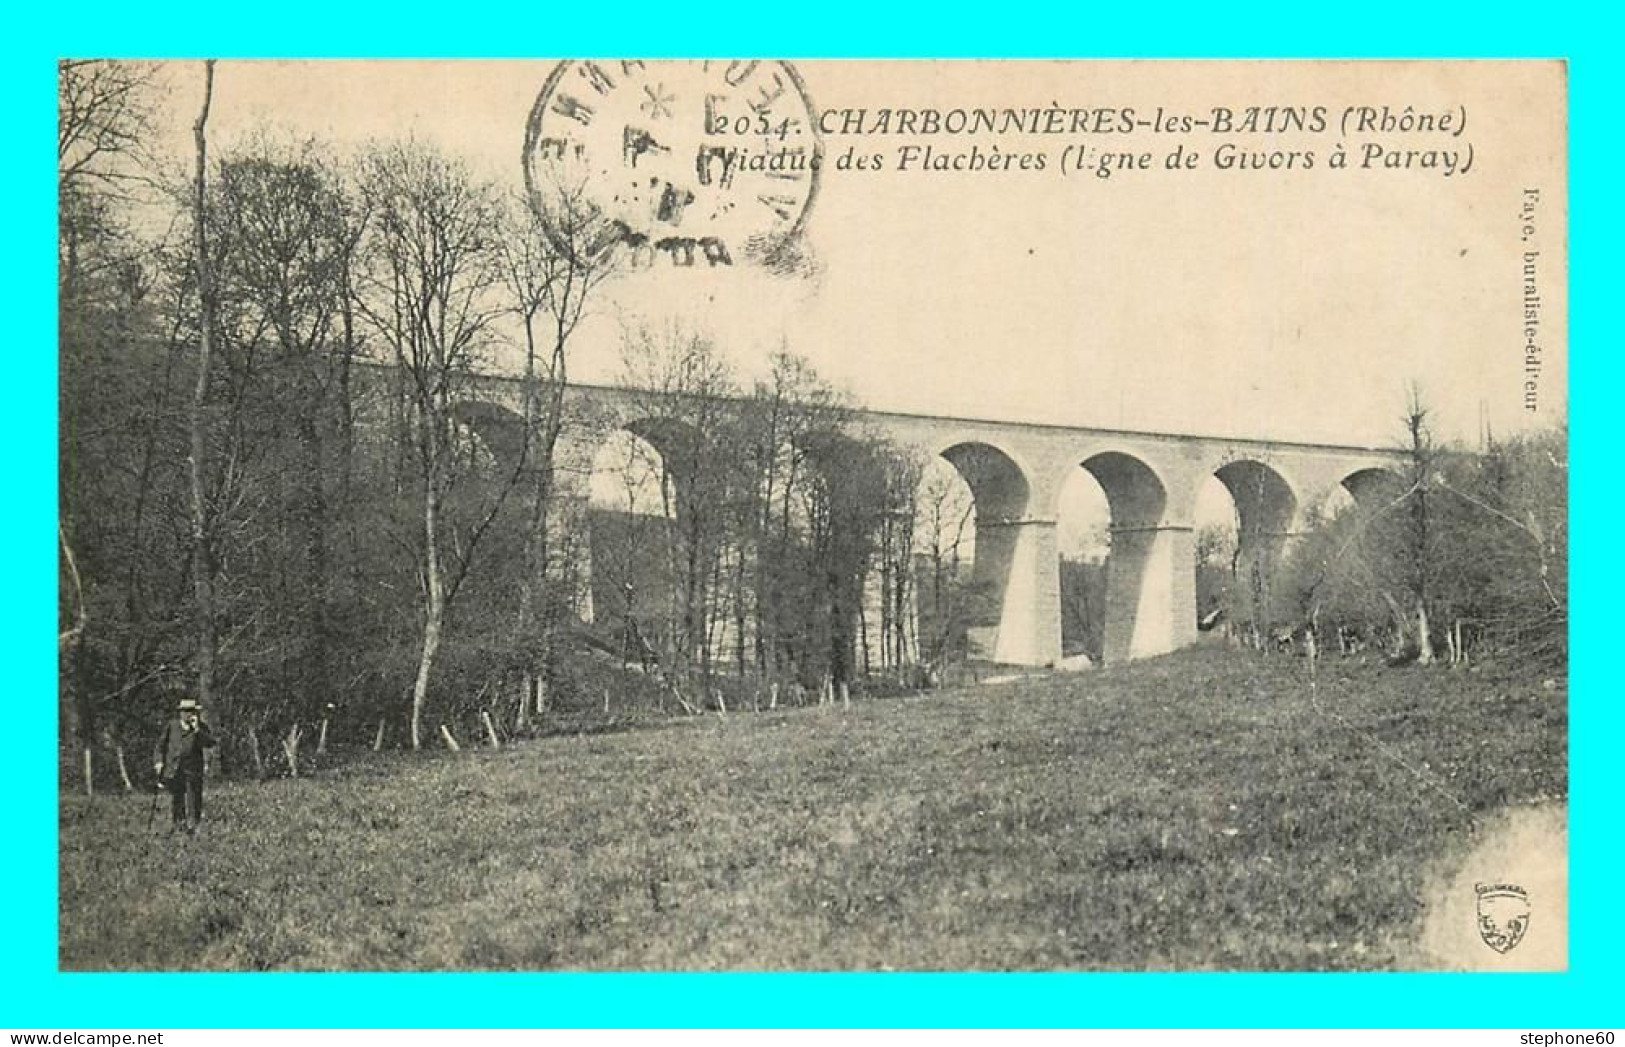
(1015, 471)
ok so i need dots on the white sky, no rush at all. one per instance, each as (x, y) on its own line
(1260, 304)
(1272, 305)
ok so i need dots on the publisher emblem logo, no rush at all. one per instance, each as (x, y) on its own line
(1503, 915)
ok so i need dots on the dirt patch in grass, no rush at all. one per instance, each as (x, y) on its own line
(1201, 811)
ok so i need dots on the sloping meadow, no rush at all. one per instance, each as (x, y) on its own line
(1206, 810)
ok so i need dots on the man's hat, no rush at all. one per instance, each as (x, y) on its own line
(189, 705)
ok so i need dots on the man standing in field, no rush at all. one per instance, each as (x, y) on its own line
(178, 761)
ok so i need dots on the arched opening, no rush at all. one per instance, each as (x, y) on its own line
(1083, 544)
(657, 538)
(1134, 492)
(1140, 592)
(1245, 518)
(489, 434)
(1263, 499)
(998, 607)
(632, 528)
(1357, 547)
(629, 476)
(1373, 488)
(996, 482)
(1218, 540)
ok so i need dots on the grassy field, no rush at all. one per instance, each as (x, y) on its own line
(1197, 811)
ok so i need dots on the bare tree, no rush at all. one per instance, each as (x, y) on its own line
(104, 120)
(1419, 537)
(781, 418)
(688, 396)
(898, 626)
(104, 130)
(945, 529)
(844, 504)
(202, 564)
(289, 233)
(551, 272)
(1456, 545)
(428, 287)
(104, 123)
(628, 564)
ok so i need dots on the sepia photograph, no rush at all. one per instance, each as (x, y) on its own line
(820, 515)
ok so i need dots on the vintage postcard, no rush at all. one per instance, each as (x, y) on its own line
(819, 515)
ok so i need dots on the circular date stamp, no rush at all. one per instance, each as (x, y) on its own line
(687, 163)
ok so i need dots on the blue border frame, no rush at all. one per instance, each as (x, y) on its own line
(36, 995)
